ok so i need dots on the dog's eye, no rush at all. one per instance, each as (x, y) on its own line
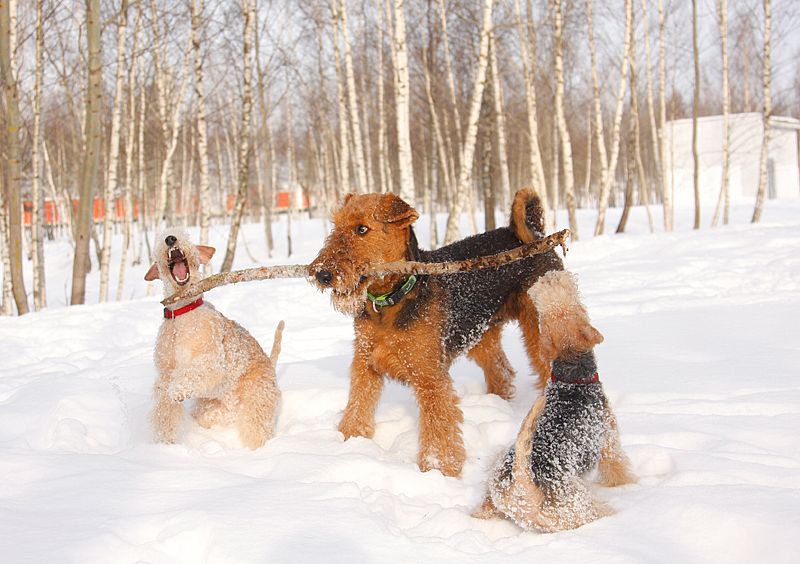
(362, 229)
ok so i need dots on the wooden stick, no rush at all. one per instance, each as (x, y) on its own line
(541, 246)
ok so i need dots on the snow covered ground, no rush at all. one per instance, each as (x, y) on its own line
(700, 362)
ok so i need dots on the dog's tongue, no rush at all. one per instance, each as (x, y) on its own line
(179, 270)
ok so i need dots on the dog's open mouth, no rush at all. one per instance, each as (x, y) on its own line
(178, 267)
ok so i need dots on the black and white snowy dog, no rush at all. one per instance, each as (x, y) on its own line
(538, 482)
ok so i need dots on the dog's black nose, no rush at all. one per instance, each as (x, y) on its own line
(170, 240)
(324, 277)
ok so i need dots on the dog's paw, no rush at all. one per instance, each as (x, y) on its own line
(179, 392)
(351, 428)
(448, 459)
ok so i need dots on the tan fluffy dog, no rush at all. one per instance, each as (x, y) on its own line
(201, 354)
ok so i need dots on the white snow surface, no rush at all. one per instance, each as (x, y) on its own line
(700, 363)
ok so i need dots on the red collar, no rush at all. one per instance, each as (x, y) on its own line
(591, 380)
(173, 313)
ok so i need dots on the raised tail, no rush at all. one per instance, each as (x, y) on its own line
(276, 344)
(527, 216)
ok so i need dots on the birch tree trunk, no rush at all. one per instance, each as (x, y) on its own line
(8, 73)
(269, 190)
(383, 168)
(133, 66)
(724, 192)
(344, 145)
(39, 291)
(113, 153)
(695, 109)
(468, 151)
(654, 133)
(609, 165)
(766, 112)
(566, 143)
(243, 168)
(93, 139)
(402, 104)
(528, 54)
(636, 129)
(500, 123)
(666, 187)
(201, 122)
(352, 99)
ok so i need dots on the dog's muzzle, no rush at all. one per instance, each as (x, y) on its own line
(324, 277)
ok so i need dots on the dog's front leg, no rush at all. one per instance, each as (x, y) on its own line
(198, 377)
(366, 384)
(440, 443)
(167, 414)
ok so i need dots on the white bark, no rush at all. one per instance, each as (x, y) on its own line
(724, 193)
(113, 153)
(500, 122)
(766, 112)
(527, 41)
(204, 185)
(402, 104)
(344, 146)
(352, 100)
(609, 165)
(39, 292)
(468, 151)
(654, 133)
(566, 144)
(666, 187)
(695, 110)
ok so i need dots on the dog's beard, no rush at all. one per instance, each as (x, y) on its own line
(350, 302)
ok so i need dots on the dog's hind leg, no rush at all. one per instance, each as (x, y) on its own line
(614, 466)
(489, 355)
(210, 412)
(257, 397)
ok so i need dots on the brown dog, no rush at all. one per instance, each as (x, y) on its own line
(413, 328)
(201, 354)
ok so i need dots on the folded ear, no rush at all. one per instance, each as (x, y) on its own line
(392, 209)
(206, 253)
(347, 198)
(152, 274)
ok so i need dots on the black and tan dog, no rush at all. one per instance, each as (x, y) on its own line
(412, 328)
(568, 432)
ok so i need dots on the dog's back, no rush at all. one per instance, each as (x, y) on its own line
(476, 296)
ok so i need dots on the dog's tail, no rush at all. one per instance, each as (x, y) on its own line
(276, 344)
(527, 216)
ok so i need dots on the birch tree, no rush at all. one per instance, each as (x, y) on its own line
(500, 122)
(563, 130)
(402, 103)
(527, 40)
(204, 187)
(39, 291)
(695, 109)
(608, 165)
(243, 168)
(8, 72)
(468, 150)
(723, 202)
(91, 157)
(352, 100)
(113, 153)
(766, 112)
(666, 195)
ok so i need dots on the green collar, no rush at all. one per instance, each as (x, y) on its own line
(393, 297)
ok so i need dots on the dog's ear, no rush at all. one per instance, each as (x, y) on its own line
(347, 198)
(205, 253)
(152, 274)
(392, 209)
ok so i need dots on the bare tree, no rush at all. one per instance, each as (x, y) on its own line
(468, 150)
(666, 196)
(201, 122)
(695, 110)
(402, 103)
(563, 130)
(352, 100)
(39, 292)
(243, 160)
(500, 122)
(766, 113)
(93, 139)
(113, 153)
(8, 73)
(608, 165)
(723, 202)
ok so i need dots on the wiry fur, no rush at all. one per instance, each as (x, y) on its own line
(569, 431)
(202, 355)
(442, 317)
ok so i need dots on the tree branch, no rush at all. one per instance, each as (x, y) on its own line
(541, 246)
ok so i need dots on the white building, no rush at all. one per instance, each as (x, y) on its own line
(783, 165)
